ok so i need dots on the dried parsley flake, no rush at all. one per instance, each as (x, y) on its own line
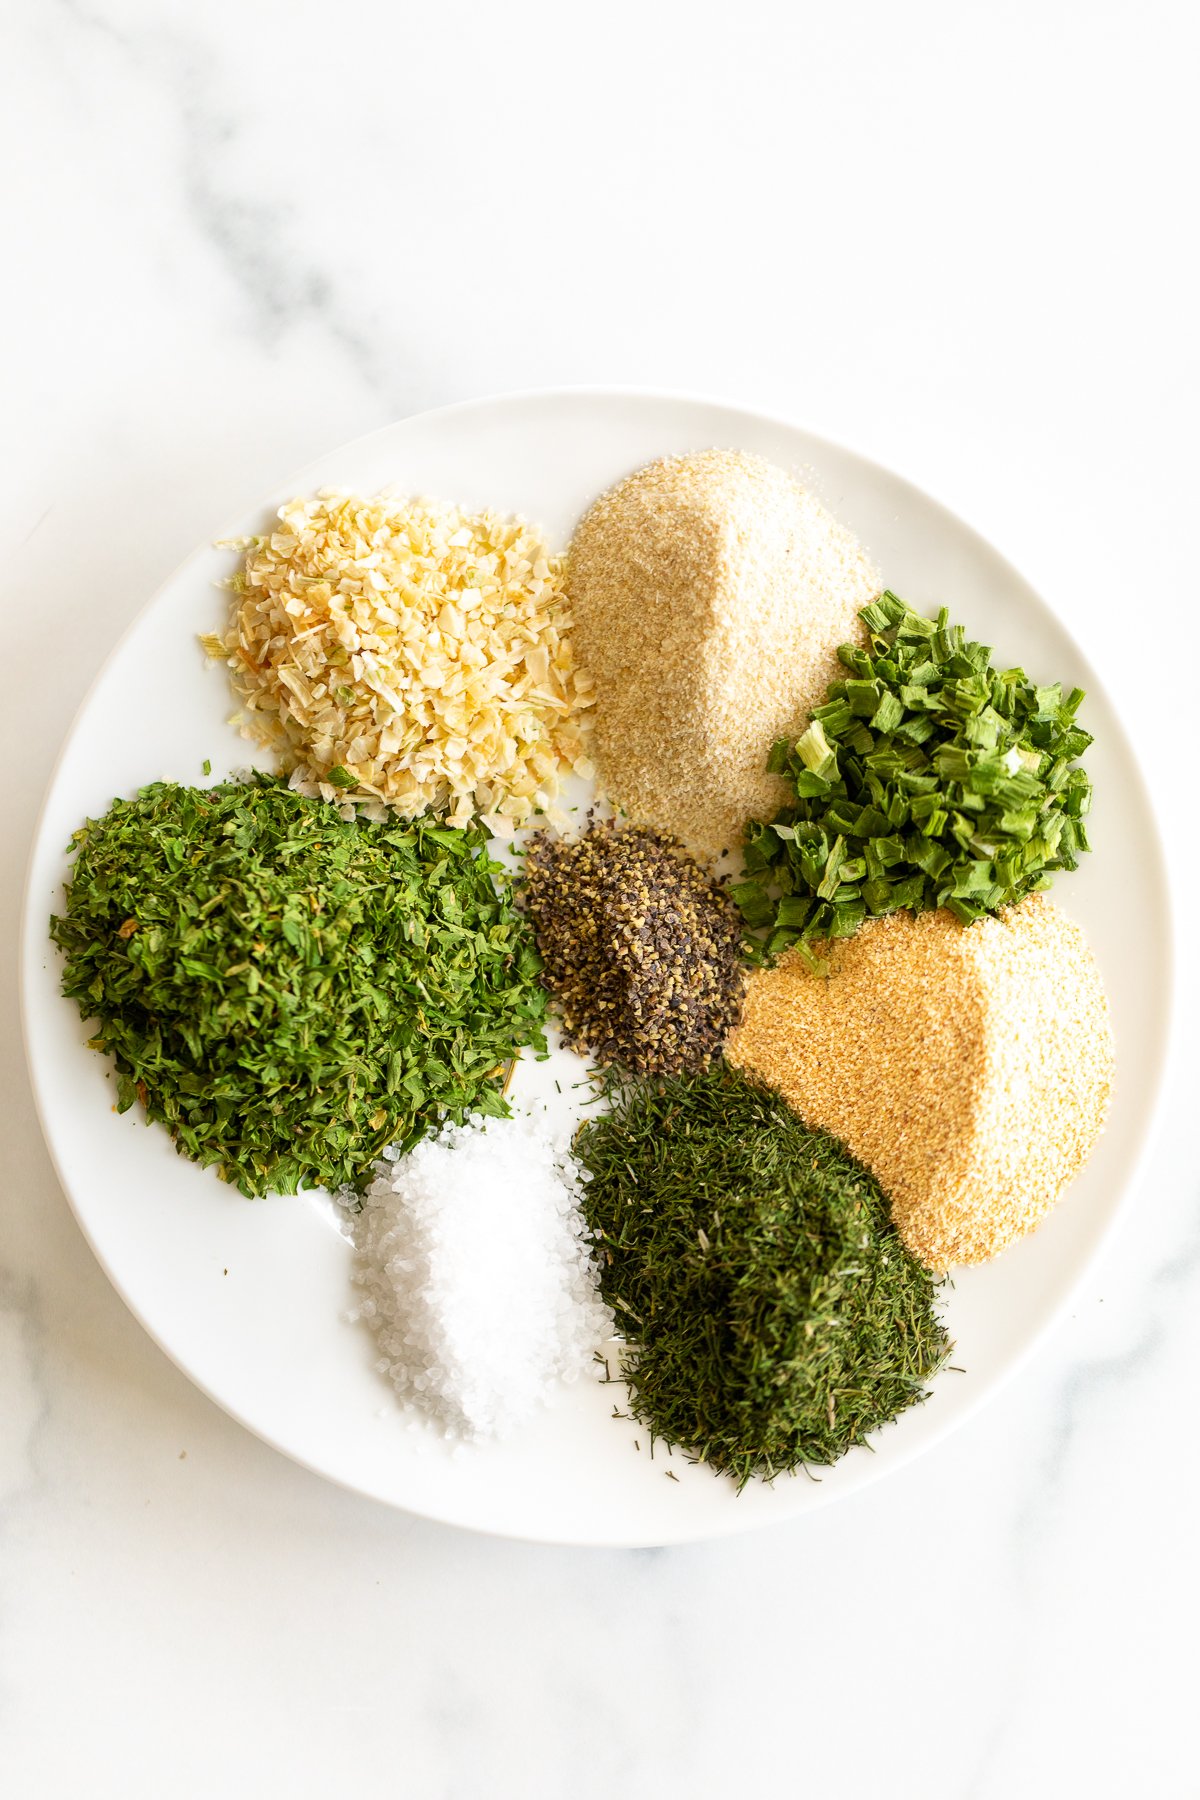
(289, 992)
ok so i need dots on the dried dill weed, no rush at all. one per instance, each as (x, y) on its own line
(405, 655)
(639, 946)
(710, 593)
(968, 1066)
(771, 1314)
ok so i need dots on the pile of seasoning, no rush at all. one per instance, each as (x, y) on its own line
(773, 1316)
(928, 778)
(710, 593)
(639, 947)
(407, 654)
(477, 1275)
(289, 992)
(969, 1067)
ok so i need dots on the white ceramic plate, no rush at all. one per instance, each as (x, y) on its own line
(250, 1298)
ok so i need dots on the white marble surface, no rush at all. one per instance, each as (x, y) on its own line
(959, 238)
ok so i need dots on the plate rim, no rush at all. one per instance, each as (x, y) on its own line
(1147, 1132)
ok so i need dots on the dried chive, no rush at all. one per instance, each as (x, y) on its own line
(928, 778)
(288, 992)
(772, 1314)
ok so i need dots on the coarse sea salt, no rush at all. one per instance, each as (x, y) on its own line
(478, 1275)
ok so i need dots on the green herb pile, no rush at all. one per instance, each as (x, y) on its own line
(288, 992)
(928, 779)
(773, 1314)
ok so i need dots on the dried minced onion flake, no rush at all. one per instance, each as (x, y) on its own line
(478, 1275)
(406, 654)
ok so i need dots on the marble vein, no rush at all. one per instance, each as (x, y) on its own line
(256, 236)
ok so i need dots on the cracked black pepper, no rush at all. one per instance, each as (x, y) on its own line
(639, 946)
